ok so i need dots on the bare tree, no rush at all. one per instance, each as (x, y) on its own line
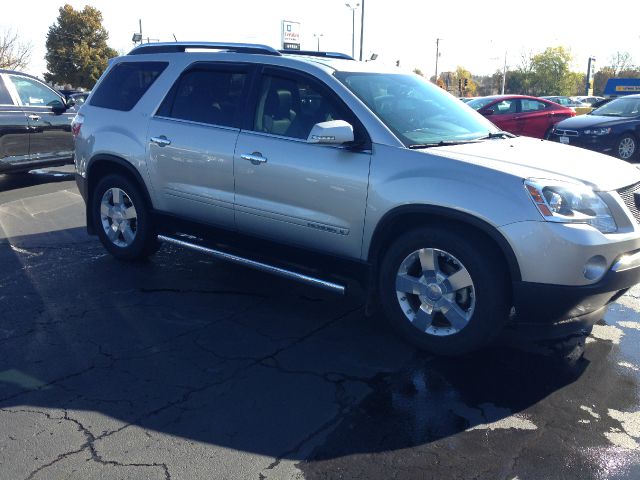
(620, 62)
(14, 54)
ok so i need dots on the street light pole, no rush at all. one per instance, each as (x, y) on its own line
(361, 29)
(353, 27)
(504, 71)
(318, 35)
(437, 56)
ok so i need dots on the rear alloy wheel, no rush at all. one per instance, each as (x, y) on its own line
(627, 146)
(443, 292)
(122, 220)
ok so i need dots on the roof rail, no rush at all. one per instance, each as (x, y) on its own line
(313, 53)
(172, 47)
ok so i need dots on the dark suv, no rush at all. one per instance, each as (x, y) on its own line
(35, 124)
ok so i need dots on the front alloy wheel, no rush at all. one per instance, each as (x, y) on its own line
(445, 289)
(626, 147)
(435, 292)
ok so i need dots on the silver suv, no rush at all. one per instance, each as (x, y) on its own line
(324, 169)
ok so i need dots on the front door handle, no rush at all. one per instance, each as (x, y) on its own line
(161, 141)
(34, 117)
(256, 158)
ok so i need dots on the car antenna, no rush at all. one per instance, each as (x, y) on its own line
(174, 37)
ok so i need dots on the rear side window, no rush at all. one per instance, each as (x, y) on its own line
(125, 84)
(5, 98)
(206, 96)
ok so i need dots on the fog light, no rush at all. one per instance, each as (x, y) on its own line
(595, 267)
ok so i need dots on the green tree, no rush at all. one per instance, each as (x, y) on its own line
(463, 75)
(551, 74)
(77, 50)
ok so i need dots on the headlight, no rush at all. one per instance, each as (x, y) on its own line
(570, 203)
(597, 131)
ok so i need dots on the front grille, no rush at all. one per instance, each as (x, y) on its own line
(566, 133)
(627, 194)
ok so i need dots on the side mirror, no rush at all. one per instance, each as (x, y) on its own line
(58, 106)
(335, 132)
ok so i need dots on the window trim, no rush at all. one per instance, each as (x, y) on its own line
(236, 67)
(295, 75)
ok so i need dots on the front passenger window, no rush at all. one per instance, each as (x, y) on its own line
(291, 107)
(33, 94)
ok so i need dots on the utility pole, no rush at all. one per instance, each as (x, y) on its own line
(353, 27)
(437, 56)
(361, 29)
(504, 71)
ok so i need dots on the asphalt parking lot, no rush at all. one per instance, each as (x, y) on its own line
(184, 367)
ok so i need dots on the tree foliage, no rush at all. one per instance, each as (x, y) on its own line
(77, 50)
(14, 54)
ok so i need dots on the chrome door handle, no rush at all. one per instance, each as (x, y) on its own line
(161, 141)
(256, 158)
(34, 117)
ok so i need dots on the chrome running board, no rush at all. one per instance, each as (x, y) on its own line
(316, 282)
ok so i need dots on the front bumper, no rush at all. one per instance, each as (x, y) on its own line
(601, 144)
(551, 311)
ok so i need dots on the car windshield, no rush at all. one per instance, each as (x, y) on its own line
(415, 110)
(620, 107)
(478, 103)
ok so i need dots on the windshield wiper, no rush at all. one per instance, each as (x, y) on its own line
(500, 134)
(441, 143)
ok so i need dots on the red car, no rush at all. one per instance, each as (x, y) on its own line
(522, 115)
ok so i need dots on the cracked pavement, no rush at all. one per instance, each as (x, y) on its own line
(184, 367)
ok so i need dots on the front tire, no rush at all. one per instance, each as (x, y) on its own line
(122, 218)
(444, 290)
(626, 147)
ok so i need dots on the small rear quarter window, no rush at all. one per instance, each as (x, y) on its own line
(125, 84)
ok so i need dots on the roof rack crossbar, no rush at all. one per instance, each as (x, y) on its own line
(173, 47)
(313, 53)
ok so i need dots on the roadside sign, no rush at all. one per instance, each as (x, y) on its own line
(622, 86)
(290, 35)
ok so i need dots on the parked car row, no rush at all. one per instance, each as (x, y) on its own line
(613, 127)
(522, 114)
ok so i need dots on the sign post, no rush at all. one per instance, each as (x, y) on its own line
(290, 35)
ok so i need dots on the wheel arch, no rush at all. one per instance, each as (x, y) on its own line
(410, 216)
(104, 164)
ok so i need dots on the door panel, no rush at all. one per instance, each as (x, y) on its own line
(192, 140)
(193, 175)
(14, 136)
(50, 137)
(505, 115)
(292, 191)
(308, 195)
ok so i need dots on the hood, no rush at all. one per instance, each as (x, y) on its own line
(586, 121)
(526, 157)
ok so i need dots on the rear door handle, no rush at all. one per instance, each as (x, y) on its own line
(34, 117)
(161, 141)
(256, 158)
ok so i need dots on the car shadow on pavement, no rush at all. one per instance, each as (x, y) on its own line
(220, 355)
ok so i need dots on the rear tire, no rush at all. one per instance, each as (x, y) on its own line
(122, 218)
(444, 290)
